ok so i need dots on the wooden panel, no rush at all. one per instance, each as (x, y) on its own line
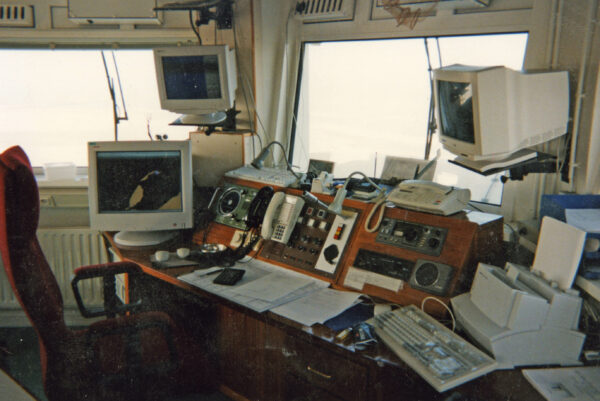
(241, 356)
(459, 251)
(340, 376)
(298, 389)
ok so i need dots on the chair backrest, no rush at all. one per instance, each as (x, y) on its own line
(28, 271)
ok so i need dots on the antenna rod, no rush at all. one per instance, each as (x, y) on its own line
(111, 90)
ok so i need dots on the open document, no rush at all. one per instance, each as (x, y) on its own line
(317, 307)
(263, 286)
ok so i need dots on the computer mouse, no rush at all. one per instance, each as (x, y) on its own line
(183, 253)
(161, 256)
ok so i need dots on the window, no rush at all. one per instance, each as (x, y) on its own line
(360, 101)
(53, 102)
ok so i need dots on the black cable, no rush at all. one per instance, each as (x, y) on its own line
(193, 25)
(474, 207)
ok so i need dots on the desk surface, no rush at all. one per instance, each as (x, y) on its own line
(495, 386)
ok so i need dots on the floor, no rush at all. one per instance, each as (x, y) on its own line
(19, 358)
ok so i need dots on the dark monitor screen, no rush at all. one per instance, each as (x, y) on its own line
(139, 181)
(192, 77)
(456, 110)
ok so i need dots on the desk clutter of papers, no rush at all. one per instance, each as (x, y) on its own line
(266, 287)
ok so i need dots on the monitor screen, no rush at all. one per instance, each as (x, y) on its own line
(140, 187)
(456, 110)
(146, 181)
(196, 80)
(192, 77)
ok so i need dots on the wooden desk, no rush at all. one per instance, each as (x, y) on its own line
(267, 357)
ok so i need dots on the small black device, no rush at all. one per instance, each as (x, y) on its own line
(258, 207)
(229, 276)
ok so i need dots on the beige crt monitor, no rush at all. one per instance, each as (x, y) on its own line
(491, 112)
(143, 189)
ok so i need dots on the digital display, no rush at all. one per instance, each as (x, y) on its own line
(456, 110)
(192, 77)
(139, 181)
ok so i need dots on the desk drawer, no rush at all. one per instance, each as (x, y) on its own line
(329, 371)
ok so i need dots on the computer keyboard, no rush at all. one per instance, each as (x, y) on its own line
(265, 175)
(438, 355)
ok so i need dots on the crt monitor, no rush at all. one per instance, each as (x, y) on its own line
(141, 189)
(491, 112)
(196, 81)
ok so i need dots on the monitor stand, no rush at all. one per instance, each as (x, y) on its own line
(201, 119)
(143, 238)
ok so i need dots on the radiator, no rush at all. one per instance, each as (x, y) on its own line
(65, 250)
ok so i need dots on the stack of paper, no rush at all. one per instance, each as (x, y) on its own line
(263, 287)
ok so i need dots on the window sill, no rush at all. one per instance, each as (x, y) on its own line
(78, 182)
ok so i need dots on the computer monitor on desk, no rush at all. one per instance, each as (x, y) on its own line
(142, 189)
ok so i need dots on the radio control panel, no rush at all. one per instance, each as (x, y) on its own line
(422, 238)
(424, 275)
(231, 205)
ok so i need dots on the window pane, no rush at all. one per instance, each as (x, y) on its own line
(363, 100)
(54, 101)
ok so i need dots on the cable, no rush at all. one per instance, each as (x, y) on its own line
(443, 304)
(193, 25)
(473, 206)
(289, 167)
(379, 204)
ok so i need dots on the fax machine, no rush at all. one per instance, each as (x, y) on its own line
(520, 318)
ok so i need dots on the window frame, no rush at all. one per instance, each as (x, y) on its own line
(499, 18)
(297, 99)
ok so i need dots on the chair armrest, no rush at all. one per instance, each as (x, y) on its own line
(107, 271)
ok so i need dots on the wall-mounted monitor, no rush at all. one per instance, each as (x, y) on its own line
(196, 81)
(141, 189)
(490, 112)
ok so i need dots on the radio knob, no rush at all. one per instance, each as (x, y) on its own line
(433, 242)
(410, 235)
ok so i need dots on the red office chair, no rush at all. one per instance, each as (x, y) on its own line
(138, 356)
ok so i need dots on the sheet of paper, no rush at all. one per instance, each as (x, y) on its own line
(587, 220)
(405, 168)
(318, 306)
(357, 278)
(271, 286)
(255, 271)
(558, 252)
(566, 384)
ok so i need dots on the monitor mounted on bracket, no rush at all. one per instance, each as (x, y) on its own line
(198, 82)
(487, 113)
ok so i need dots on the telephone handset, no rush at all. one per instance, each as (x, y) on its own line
(430, 197)
(281, 216)
(258, 206)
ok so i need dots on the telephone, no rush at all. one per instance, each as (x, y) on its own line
(281, 216)
(258, 206)
(430, 197)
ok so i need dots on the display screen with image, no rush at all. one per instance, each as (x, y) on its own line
(139, 181)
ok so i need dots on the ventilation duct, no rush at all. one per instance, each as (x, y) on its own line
(324, 10)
